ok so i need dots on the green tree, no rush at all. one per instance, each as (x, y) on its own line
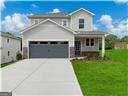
(124, 39)
(110, 40)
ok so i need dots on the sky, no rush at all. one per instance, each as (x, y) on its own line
(110, 16)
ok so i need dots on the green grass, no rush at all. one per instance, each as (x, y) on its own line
(6, 64)
(104, 78)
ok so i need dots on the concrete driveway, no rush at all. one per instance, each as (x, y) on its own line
(40, 77)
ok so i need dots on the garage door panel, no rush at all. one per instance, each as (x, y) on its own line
(48, 50)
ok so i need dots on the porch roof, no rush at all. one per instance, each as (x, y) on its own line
(90, 33)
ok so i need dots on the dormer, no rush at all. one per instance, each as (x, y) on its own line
(81, 20)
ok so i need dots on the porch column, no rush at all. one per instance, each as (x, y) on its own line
(103, 46)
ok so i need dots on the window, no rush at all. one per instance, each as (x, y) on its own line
(81, 23)
(64, 22)
(87, 42)
(43, 42)
(92, 42)
(36, 21)
(7, 40)
(53, 42)
(8, 53)
(64, 42)
(33, 42)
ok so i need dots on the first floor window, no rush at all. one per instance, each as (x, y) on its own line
(90, 42)
(87, 42)
(8, 53)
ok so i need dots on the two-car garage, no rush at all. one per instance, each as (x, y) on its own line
(48, 49)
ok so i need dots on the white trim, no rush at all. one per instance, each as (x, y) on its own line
(28, 50)
(68, 50)
(33, 26)
(80, 10)
(103, 46)
(47, 39)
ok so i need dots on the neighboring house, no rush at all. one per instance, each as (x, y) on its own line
(121, 45)
(60, 35)
(10, 45)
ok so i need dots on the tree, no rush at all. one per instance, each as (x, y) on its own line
(110, 41)
(124, 39)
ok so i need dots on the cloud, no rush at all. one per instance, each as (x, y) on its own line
(2, 4)
(55, 10)
(34, 5)
(29, 14)
(95, 28)
(15, 23)
(122, 1)
(106, 20)
(119, 28)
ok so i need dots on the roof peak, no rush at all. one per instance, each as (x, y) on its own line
(81, 9)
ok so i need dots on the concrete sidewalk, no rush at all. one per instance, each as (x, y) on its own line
(41, 77)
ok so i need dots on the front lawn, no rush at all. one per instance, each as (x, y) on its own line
(104, 78)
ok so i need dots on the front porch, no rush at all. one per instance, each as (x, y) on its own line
(89, 43)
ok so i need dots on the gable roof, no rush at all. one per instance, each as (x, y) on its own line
(80, 10)
(35, 25)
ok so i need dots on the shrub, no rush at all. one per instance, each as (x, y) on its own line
(19, 56)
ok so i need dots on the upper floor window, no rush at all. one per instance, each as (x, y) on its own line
(64, 22)
(36, 21)
(7, 40)
(81, 23)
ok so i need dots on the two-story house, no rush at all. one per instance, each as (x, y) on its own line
(60, 35)
(10, 45)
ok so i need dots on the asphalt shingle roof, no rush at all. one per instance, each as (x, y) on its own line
(6, 34)
(49, 15)
(90, 33)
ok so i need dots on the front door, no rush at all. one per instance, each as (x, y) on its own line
(77, 48)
